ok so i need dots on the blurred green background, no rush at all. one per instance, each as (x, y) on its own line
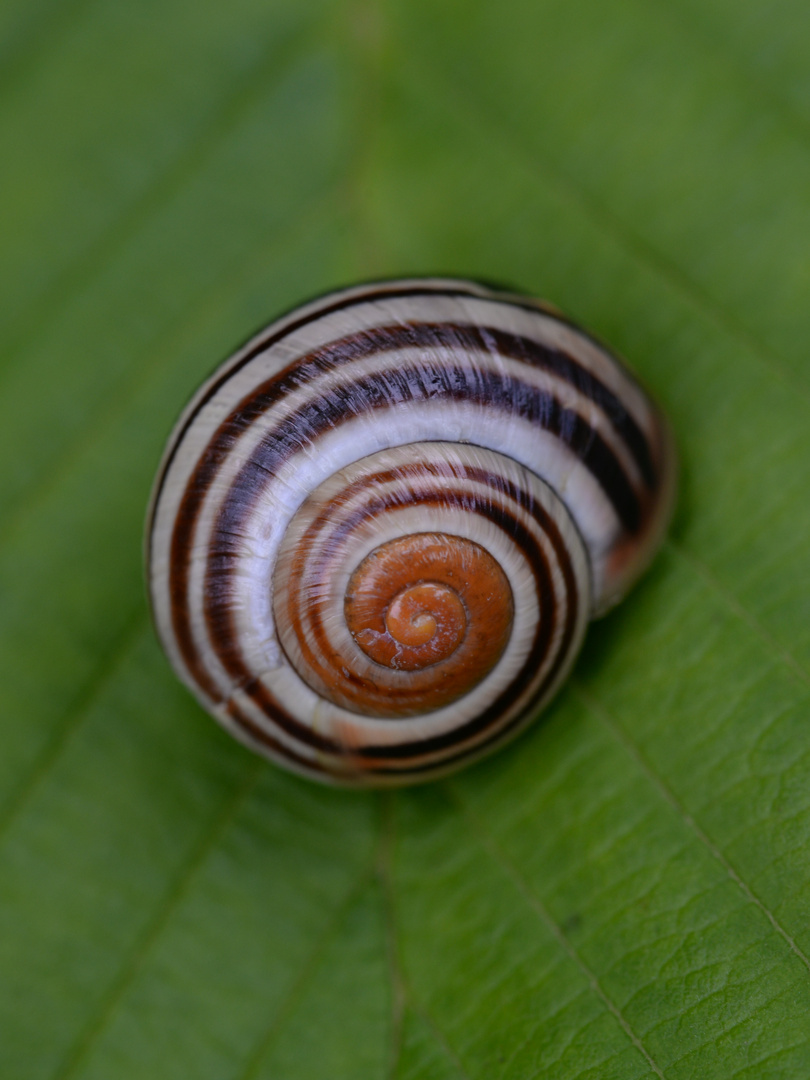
(624, 892)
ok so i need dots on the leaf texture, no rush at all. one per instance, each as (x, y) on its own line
(622, 893)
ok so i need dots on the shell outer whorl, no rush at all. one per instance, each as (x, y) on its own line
(380, 529)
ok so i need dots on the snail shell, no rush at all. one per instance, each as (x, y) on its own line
(380, 529)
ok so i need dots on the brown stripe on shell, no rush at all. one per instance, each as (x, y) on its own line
(277, 749)
(445, 381)
(374, 293)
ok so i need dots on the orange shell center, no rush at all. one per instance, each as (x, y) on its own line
(427, 621)
(431, 601)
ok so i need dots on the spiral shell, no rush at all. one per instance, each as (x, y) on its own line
(380, 529)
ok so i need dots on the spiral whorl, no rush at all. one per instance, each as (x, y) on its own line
(432, 605)
(416, 602)
(380, 529)
(421, 576)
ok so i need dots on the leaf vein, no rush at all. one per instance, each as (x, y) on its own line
(159, 921)
(598, 710)
(72, 719)
(488, 843)
(92, 433)
(398, 998)
(263, 77)
(642, 251)
(731, 601)
(298, 986)
(23, 54)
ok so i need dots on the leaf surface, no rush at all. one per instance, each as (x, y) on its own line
(622, 893)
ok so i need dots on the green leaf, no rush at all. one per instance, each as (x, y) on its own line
(622, 893)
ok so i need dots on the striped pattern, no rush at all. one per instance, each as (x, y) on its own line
(424, 406)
